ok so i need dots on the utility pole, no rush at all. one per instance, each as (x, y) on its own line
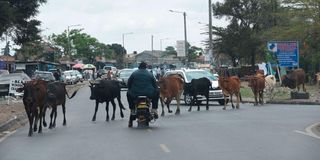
(210, 29)
(152, 44)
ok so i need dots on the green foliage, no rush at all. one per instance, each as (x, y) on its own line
(16, 16)
(170, 50)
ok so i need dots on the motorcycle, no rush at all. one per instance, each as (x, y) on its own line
(143, 114)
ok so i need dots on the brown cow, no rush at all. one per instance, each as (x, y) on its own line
(170, 87)
(257, 84)
(230, 86)
(294, 79)
(34, 100)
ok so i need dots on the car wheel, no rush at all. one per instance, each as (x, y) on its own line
(187, 99)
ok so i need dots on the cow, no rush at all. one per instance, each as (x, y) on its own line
(294, 79)
(106, 91)
(270, 85)
(56, 95)
(257, 84)
(34, 102)
(199, 86)
(170, 87)
(230, 86)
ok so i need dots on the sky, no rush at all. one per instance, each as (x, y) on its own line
(109, 20)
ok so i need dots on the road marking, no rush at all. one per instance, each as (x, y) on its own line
(308, 131)
(7, 135)
(164, 148)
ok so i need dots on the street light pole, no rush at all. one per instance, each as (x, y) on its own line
(210, 29)
(185, 32)
(123, 34)
(68, 37)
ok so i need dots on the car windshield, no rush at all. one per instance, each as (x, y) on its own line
(126, 73)
(199, 74)
(44, 75)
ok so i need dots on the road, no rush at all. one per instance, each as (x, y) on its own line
(270, 132)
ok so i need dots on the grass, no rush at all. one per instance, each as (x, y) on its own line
(280, 93)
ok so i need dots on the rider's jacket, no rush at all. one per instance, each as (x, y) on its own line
(142, 83)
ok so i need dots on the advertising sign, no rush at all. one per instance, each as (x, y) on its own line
(14, 85)
(285, 52)
(181, 49)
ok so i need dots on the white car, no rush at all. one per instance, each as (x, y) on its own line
(215, 94)
(69, 77)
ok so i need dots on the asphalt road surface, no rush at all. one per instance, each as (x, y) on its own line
(270, 132)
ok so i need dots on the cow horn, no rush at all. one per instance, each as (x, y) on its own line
(93, 82)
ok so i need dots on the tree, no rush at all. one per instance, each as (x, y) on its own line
(16, 16)
(170, 50)
(248, 18)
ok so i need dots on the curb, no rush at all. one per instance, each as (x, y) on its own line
(11, 122)
(286, 102)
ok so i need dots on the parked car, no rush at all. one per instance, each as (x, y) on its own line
(79, 75)
(123, 76)
(43, 75)
(215, 94)
(6, 79)
(69, 77)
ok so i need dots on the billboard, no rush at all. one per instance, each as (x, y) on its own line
(285, 52)
(181, 48)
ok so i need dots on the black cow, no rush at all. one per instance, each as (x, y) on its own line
(105, 91)
(199, 86)
(56, 95)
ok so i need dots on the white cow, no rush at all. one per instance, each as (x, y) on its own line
(270, 85)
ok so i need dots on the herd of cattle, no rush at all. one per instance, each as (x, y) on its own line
(40, 95)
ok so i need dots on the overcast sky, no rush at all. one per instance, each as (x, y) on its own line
(107, 20)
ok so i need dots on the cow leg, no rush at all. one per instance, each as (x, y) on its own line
(51, 118)
(30, 117)
(168, 104)
(207, 97)
(178, 104)
(120, 105)
(114, 109)
(44, 116)
(255, 98)
(238, 100)
(161, 100)
(232, 105)
(64, 114)
(225, 102)
(95, 111)
(107, 110)
(197, 103)
(40, 119)
(36, 118)
(304, 88)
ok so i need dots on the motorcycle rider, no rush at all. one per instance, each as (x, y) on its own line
(142, 83)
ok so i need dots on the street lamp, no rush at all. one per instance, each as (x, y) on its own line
(185, 31)
(123, 34)
(68, 33)
(161, 42)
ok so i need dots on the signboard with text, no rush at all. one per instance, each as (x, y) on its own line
(14, 85)
(285, 52)
(181, 48)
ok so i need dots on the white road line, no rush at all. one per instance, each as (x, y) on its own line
(164, 148)
(308, 131)
(7, 135)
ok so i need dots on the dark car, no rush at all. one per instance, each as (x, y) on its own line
(123, 76)
(43, 75)
(101, 73)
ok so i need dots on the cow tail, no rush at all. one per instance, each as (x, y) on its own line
(73, 94)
